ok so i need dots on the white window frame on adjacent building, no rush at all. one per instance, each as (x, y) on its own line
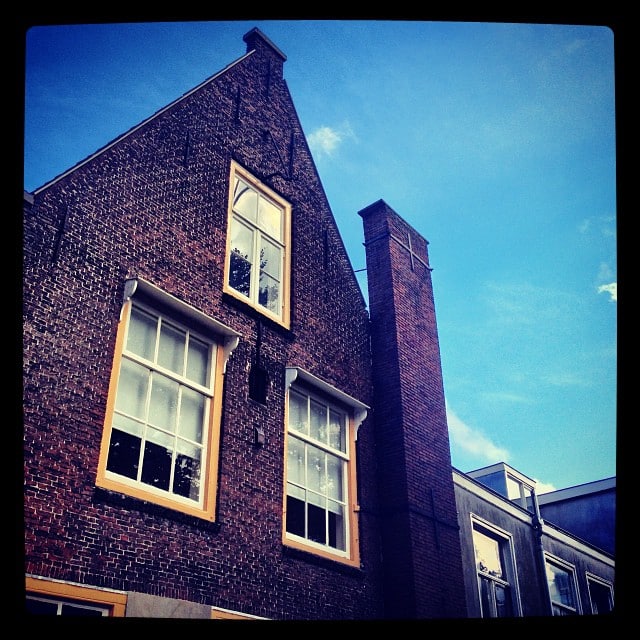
(258, 257)
(495, 569)
(320, 498)
(562, 586)
(599, 589)
(161, 436)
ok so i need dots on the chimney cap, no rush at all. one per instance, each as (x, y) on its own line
(255, 34)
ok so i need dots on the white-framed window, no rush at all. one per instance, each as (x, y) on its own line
(160, 441)
(600, 594)
(563, 590)
(320, 497)
(258, 246)
(495, 569)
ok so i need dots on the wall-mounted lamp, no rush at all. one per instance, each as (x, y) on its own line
(258, 437)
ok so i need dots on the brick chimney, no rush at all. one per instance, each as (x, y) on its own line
(421, 542)
(257, 41)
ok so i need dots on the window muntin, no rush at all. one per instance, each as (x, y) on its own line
(600, 595)
(258, 248)
(494, 573)
(562, 588)
(318, 487)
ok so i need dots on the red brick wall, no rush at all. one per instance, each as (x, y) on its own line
(154, 205)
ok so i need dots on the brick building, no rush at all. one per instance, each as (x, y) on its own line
(215, 425)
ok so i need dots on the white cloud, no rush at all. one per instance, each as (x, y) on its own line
(325, 140)
(544, 487)
(611, 289)
(472, 441)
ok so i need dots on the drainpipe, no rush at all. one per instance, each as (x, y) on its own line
(537, 523)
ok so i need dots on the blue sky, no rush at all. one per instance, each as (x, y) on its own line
(496, 141)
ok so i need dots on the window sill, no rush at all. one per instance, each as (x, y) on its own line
(339, 564)
(115, 499)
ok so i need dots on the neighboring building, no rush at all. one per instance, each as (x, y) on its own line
(588, 511)
(215, 425)
(524, 564)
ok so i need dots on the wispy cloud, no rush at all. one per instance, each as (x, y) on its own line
(472, 441)
(505, 396)
(544, 487)
(325, 140)
(611, 289)
(565, 380)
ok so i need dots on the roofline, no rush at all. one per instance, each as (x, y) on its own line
(577, 491)
(121, 137)
(464, 481)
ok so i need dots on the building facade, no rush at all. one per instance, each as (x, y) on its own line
(215, 424)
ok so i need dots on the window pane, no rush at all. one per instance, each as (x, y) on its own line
(318, 422)
(191, 415)
(241, 258)
(128, 425)
(295, 515)
(298, 413)
(334, 478)
(156, 466)
(487, 554)
(124, 454)
(141, 338)
(269, 294)
(186, 482)
(171, 349)
(198, 361)
(132, 389)
(36, 607)
(503, 602)
(336, 526)
(295, 461)
(485, 597)
(316, 478)
(316, 523)
(270, 218)
(270, 259)
(560, 585)
(337, 431)
(245, 200)
(601, 599)
(163, 406)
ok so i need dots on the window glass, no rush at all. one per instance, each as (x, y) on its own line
(317, 493)
(171, 348)
(141, 338)
(562, 589)
(258, 239)
(198, 361)
(601, 596)
(494, 569)
(270, 218)
(245, 200)
(158, 428)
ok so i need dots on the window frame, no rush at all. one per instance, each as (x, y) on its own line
(507, 562)
(221, 340)
(601, 582)
(553, 561)
(283, 317)
(354, 413)
(112, 602)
